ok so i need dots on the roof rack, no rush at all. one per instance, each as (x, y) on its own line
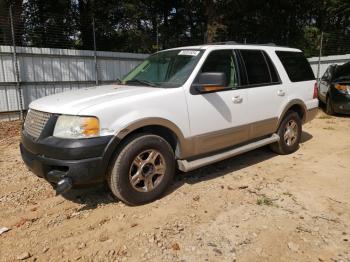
(224, 43)
(269, 44)
(237, 43)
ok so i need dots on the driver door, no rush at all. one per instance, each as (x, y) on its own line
(219, 119)
(324, 84)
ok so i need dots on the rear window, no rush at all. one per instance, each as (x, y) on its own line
(296, 66)
(342, 73)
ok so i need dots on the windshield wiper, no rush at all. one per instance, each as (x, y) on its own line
(140, 81)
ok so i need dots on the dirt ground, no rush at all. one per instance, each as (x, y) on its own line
(255, 207)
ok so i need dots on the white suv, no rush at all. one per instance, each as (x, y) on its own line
(181, 108)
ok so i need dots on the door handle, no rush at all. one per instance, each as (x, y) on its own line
(281, 93)
(237, 99)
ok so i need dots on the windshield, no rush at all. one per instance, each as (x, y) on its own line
(164, 69)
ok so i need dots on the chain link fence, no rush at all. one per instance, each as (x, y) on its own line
(57, 34)
(328, 48)
(44, 55)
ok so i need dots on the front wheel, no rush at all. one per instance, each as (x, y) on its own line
(329, 106)
(142, 170)
(289, 132)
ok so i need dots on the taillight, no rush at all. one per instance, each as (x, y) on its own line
(342, 88)
(315, 95)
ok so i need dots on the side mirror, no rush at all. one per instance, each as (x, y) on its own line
(211, 82)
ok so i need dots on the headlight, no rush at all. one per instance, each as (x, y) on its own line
(76, 127)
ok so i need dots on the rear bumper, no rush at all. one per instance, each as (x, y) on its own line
(310, 114)
(85, 161)
(340, 101)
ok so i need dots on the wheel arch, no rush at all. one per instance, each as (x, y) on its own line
(158, 126)
(165, 132)
(297, 106)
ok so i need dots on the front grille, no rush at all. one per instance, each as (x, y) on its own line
(35, 122)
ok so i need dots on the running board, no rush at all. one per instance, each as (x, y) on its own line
(187, 166)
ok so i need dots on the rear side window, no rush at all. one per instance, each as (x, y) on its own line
(296, 66)
(342, 73)
(256, 67)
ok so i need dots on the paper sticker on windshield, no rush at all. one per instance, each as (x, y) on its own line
(189, 52)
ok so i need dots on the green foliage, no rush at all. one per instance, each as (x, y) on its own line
(311, 40)
(133, 25)
(49, 23)
(264, 200)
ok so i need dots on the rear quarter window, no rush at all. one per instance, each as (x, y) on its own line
(296, 66)
(342, 73)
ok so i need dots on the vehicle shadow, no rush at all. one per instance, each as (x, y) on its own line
(228, 166)
(220, 169)
(305, 136)
(92, 197)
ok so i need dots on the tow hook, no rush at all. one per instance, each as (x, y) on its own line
(64, 185)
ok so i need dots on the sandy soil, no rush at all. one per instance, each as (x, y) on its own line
(255, 207)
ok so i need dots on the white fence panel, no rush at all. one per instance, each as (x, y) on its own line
(326, 61)
(45, 71)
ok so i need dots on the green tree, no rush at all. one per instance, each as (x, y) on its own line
(50, 23)
(136, 26)
(5, 26)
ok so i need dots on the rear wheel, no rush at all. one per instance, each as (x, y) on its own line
(289, 132)
(142, 170)
(320, 102)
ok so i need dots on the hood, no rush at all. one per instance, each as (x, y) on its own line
(72, 102)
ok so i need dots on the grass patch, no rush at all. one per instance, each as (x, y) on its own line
(264, 200)
(288, 194)
(329, 128)
(325, 117)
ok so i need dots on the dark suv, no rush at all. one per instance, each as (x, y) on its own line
(334, 89)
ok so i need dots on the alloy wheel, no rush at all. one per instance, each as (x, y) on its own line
(147, 170)
(290, 132)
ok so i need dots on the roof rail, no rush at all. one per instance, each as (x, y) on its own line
(224, 43)
(270, 44)
(237, 43)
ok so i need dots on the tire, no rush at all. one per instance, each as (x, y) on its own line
(287, 145)
(329, 107)
(320, 102)
(142, 169)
